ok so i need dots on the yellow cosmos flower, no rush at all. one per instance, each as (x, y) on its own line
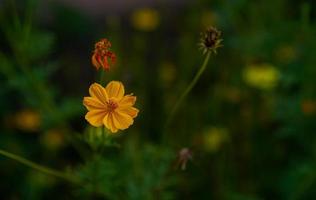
(109, 107)
(53, 139)
(214, 138)
(167, 73)
(28, 120)
(145, 19)
(261, 76)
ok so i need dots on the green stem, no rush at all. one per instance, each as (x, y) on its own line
(38, 167)
(188, 89)
(102, 76)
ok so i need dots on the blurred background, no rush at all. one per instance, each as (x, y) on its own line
(246, 131)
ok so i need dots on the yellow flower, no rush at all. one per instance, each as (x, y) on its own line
(109, 107)
(167, 73)
(145, 19)
(214, 138)
(261, 76)
(53, 139)
(27, 120)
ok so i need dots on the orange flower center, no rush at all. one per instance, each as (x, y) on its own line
(111, 105)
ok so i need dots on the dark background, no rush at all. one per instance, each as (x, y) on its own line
(249, 122)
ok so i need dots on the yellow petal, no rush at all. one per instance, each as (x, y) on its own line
(93, 103)
(127, 100)
(95, 117)
(108, 122)
(105, 121)
(97, 91)
(131, 111)
(115, 89)
(121, 120)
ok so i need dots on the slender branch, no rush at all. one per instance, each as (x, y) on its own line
(188, 89)
(38, 167)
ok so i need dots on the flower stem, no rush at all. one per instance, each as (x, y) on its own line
(188, 89)
(101, 78)
(38, 167)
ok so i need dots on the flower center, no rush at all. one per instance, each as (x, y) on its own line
(111, 105)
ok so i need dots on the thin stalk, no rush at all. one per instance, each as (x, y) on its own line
(38, 167)
(188, 89)
(102, 76)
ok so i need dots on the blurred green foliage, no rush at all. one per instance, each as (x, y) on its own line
(249, 121)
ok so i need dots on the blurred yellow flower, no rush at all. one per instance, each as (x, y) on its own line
(109, 107)
(145, 19)
(261, 76)
(53, 139)
(27, 120)
(167, 72)
(214, 138)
